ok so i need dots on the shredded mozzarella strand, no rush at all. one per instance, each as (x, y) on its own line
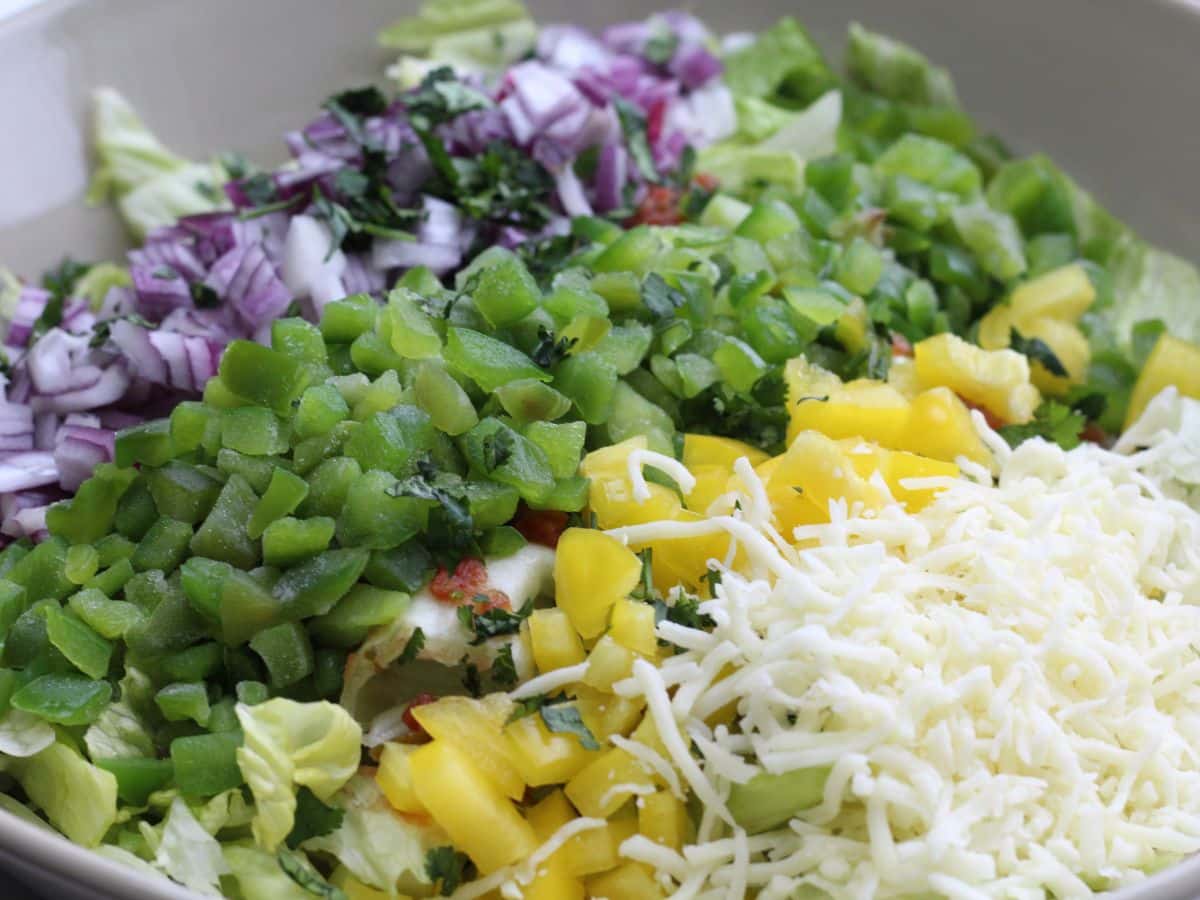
(672, 467)
(1005, 686)
(549, 682)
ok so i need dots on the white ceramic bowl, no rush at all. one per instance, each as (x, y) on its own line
(1106, 87)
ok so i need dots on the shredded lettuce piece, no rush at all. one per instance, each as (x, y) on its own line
(782, 64)
(289, 744)
(122, 729)
(1153, 284)
(259, 875)
(151, 185)
(894, 70)
(376, 845)
(79, 799)
(23, 734)
(188, 853)
(15, 807)
(438, 18)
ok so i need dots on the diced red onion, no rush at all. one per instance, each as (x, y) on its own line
(612, 173)
(694, 66)
(246, 279)
(311, 267)
(159, 290)
(171, 251)
(30, 305)
(78, 450)
(570, 47)
(627, 37)
(21, 471)
(570, 193)
(543, 93)
(109, 389)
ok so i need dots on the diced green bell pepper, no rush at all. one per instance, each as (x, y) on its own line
(285, 651)
(321, 408)
(263, 375)
(285, 492)
(193, 663)
(405, 568)
(410, 330)
(500, 453)
(183, 492)
(589, 380)
(42, 572)
(487, 361)
(184, 700)
(135, 512)
(529, 400)
(206, 764)
(363, 608)
(313, 587)
(561, 442)
(373, 518)
(438, 393)
(107, 617)
(63, 699)
(138, 777)
(390, 441)
(288, 541)
(148, 444)
(504, 291)
(74, 639)
(344, 320)
(223, 535)
(164, 547)
(82, 562)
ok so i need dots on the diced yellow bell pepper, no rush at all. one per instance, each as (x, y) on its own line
(395, 779)
(1064, 293)
(465, 802)
(676, 561)
(815, 468)
(1069, 346)
(632, 626)
(596, 850)
(629, 881)
(995, 328)
(549, 814)
(790, 507)
(545, 757)
(664, 819)
(611, 460)
(553, 882)
(805, 379)
(607, 714)
(872, 410)
(896, 466)
(995, 379)
(355, 889)
(940, 427)
(592, 571)
(604, 785)
(608, 663)
(711, 481)
(611, 499)
(710, 450)
(555, 642)
(1172, 362)
(476, 727)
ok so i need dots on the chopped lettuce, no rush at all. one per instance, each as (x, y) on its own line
(15, 807)
(259, 875)
(1153, 284)
(99, 280)
(440, 18)
(79, 799)
(123, 730)
(188, 853)
(289, 744)
(894, 70)
(23, 734)
(377, 846)
(151, 185)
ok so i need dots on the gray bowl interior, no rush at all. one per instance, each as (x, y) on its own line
(1106, 87)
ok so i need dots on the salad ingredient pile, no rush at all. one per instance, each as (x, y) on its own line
(607, 466)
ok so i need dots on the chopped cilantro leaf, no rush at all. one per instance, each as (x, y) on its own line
(504, 669)
(313, 818)
(492, 622)
(1054, 421)
(297, 867)
(1038, 351)
(564, 718)
(633, 126)
(416, 643)
(448, 869)
(551, 350)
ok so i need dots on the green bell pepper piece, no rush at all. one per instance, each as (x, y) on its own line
(328, 486)
(172, 625)
(561, 442)
(286, 652)
(487, 361)
(10, 556)
(202, 581)
(496, 451)
(504, 291)
(223, 535)
(138, 777)
(206, 764)
(164, 547)
(438, 393)
(246, 608)
(112, 548)
(298, 339)
(409, 329)
(63, 699)
(633, 251)
(363, 608)
(222, 716)
(567, 495)
(183, 492)
(285, 492)
(313, 587)
(321, 408)
(107, 617)
(405, 568)
(528, 400)
(189, 426)
(12, 603)
(501, 542)
(182, 701)
(135, 512)
(490, 503)
(390, 441)
(87, 651)
(373, 518)
(589, 380)
(196, 663)
(148, 444)
(82, 562)
(344, 320)
(42, 572)
(372, 354)
(252, 693)
(89, 515)
(254, 431)
(262, 375)
(288, 541)
(327, 673)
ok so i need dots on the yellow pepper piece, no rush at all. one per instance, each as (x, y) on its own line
(611, 460)
(606, 714)
(604, 785)
(902, 375)
(608, 663)
(710, 450)
(549, 814)
(664, 819)
(1171, 362)
(896, 466)
(592, 571)
(479, 819)
(632, 626)
(676, 561)
(816, 468)
(395, 779)
(630, 881)
(711, 481)
(940, 427)
(995, 379)
(1071, 348)
(545, 757)
(554, 640)
(476, 727)
(863, 408)
(1064, 293)
(553, 882)
(611, 499)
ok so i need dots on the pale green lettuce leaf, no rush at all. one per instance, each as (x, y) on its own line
(782, 56)
(79, 799)
(188, 853)
(99, 280)
(377, 846)
(289, 744)
(1153, 284)
(15, 807)
(438, 18)
(259, 876)
(118, 733)
(129, 860)
(22, 734)
(151, 185)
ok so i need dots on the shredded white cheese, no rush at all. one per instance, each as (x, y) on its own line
(1005, 686)
(672, 467)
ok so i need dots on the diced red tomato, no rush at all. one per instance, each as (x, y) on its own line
(654, 121)
(901, 346)
(410, 720)
(469, 578)
(660, 207)
(540, 526)
(1095, 434)
(706, 181)
(491, 599)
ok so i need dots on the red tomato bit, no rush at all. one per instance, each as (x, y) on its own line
(660, 207)
(469, 578)
(410, 720)
(540, 526)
